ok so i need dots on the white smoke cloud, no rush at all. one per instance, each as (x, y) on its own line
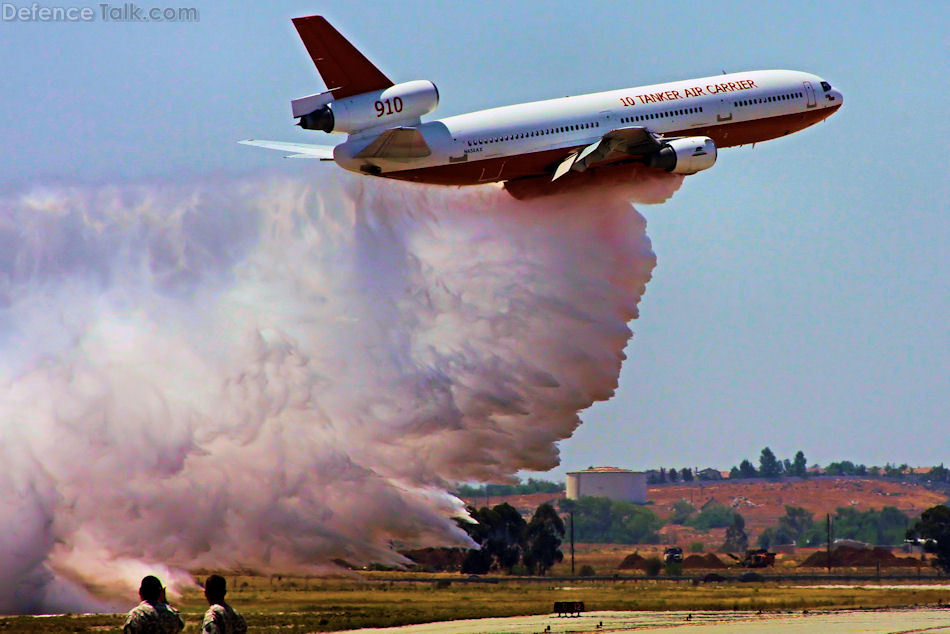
(272, 374)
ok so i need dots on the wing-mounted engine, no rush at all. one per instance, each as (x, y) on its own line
(683, 155)
(401, 104)
(687, 155)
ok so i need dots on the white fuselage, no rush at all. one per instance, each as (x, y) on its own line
(522, 140)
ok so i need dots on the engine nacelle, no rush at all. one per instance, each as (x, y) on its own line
(685, 156)
(394, 105)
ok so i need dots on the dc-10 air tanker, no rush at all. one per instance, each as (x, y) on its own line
(676, 126)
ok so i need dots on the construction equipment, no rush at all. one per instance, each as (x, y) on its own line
(755, 558)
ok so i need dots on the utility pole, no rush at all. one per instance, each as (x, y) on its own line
(572, 543)
(828, 523)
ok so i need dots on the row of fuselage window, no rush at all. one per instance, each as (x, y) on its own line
(774, 99)
(535, 133)
(640, 117)
(660, 115)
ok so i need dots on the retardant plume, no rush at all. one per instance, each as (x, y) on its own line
(274, 374)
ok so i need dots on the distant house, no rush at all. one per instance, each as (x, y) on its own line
(709, 474)
(608, 482)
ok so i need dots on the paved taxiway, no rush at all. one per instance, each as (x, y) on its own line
(930, 620)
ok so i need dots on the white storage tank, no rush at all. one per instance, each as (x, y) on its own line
(608, 482)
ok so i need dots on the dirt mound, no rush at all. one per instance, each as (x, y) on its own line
(851, 557)
(632, 561)
(703, 562)
(437, 559)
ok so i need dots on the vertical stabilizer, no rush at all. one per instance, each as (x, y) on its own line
(344, 70)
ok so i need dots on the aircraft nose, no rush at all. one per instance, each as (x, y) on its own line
(835, 97)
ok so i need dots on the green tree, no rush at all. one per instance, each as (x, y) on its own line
(885, 527)
(844, 467)
(736, 538)
(673, 475)
(543, 540)
(502, 490)
(686, 474)
(500, 532)
(747, 469)
(681, 512)
(714, 515)
(734, 473)
(799, 466)
(939, 474)
(890, 471)
(934, 526)
(769, 466)
(598, 519)
(797, 526)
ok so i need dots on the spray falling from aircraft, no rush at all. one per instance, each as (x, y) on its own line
(270, 374)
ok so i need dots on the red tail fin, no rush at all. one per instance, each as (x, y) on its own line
(344, 70)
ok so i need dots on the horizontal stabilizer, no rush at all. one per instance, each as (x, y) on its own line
(397, 144)
(299, 150)
(306, 105)
(344, 70)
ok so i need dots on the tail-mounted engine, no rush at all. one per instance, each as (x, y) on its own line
(685, 156)
(399, 104)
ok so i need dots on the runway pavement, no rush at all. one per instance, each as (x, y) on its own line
(930, 620)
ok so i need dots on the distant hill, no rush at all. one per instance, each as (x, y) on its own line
(761, 502)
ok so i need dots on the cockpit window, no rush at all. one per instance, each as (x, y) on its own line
(826, 86)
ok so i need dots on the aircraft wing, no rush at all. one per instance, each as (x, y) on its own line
(299, 150)
(634, 142)
(397, 144)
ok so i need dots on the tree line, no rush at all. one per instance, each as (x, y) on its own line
(769, 466)
(507, 543)
(502, 490)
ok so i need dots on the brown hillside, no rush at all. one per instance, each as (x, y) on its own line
(762, 502)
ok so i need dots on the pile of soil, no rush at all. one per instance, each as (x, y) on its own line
(851, 557)
(701, 562)
(437, 559)
(633, 562)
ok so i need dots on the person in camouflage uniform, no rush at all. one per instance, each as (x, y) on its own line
(220, 618)
(153, 615)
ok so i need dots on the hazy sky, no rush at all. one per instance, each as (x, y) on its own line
(801, 298)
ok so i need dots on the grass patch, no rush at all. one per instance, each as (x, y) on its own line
(298, 605)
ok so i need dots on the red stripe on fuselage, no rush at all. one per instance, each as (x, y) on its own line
(534, 164)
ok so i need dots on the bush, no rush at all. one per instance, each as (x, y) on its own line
(697, 547)
(674, 568)
(713, 516)
(602, 520)
(652, 566)
(681, 512)
(587, 571)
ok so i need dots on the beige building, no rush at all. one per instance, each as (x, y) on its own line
(608, 482)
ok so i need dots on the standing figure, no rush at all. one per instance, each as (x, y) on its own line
(220, 618)
(153, 615)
